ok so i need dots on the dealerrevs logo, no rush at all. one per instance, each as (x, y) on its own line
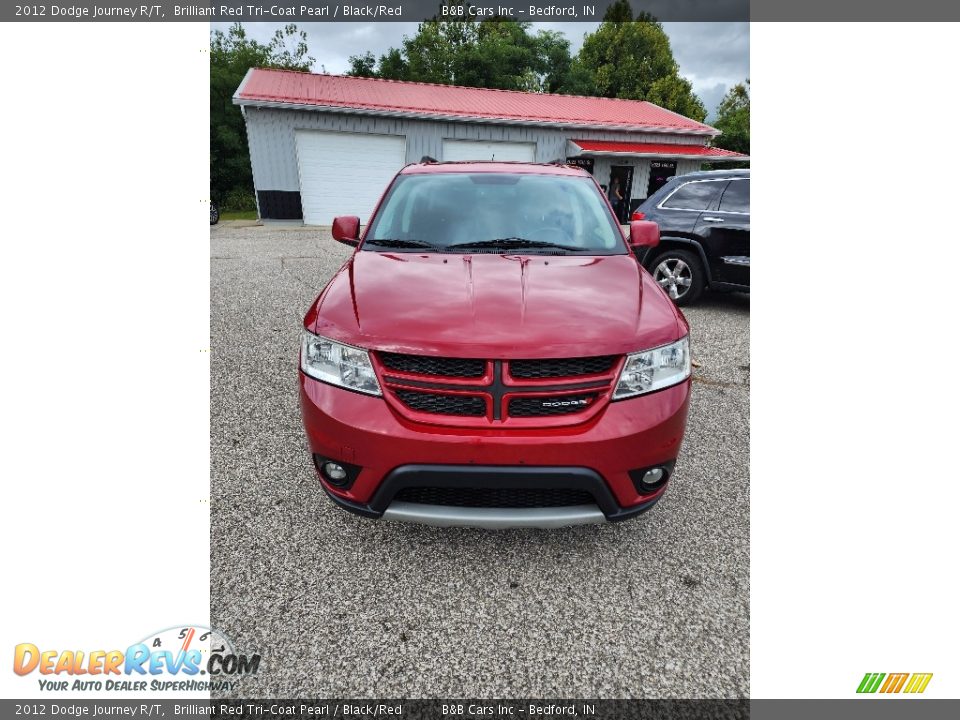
(182, 659)
(909, 683)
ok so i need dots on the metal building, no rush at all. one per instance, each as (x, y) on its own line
(327, 145)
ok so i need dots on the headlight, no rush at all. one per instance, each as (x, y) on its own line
(337, 364)
(654, 369)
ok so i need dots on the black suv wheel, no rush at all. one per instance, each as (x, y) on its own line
(680, 274)
(214, 214)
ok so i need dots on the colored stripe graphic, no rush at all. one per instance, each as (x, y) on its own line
(894, 682)
(870, 682)
(918, 682)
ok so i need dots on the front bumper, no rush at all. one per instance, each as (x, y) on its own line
(491, 477)
(597, 456)
(494, 518)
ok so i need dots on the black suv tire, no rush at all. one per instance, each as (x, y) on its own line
(683, 266)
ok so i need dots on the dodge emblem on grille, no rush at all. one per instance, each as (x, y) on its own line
(564, 403)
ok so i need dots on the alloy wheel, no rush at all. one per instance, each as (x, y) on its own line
(674, 276)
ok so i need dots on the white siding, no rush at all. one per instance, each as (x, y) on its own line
(489, 150)
(272, 138)
(641, 176)
(688, 166)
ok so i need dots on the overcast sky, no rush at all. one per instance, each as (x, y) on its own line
(713, 56)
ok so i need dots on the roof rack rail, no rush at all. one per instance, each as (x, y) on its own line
(428, 159)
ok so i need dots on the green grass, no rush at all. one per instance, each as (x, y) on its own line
(240, 215)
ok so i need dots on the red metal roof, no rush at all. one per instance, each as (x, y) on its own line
(493, 167)
(624, 148)
(285, 87)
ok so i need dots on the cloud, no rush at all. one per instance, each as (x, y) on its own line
(712, 56)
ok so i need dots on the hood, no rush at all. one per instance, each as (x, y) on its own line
(495, 306)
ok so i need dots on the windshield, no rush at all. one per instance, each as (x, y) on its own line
(495, 212)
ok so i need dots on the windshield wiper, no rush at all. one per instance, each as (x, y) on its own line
(400, 243)
(510, 243)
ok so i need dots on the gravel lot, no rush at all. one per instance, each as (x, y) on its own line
(339, 606)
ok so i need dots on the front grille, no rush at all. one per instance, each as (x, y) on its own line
(496, 497)
(548, 406)
(440, 366)
(482, 392)
(463, 405)
(563, 367)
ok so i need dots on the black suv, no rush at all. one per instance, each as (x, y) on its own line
(704, 220)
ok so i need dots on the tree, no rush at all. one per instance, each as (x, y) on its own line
(232, 54)
(733, 119)
(504, 55)
(363, 65)
(624, 58)
(676, 93)
(632, 59)
(393, 66)
(435, 53)
(495, 52)
(554, 49)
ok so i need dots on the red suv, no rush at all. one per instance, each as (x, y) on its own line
(493, 355)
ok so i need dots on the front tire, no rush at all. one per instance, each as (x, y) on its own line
(680, 274)
(214, 214)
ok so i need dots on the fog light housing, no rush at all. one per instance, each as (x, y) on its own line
(336, 472)
(648, 479)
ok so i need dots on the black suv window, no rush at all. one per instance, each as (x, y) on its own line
(693, 196)
(736, 198)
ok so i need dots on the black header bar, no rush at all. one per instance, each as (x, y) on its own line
(363, 10)
(524, 10)
(873, 708)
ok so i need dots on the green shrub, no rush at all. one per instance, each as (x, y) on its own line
(238, 200)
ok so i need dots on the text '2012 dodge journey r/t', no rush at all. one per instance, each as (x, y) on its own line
(493, 355)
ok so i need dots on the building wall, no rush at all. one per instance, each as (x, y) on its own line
(641, 172)
(688, 166)
(273, 152)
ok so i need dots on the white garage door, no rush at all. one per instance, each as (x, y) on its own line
(345, 173)
(480, 150)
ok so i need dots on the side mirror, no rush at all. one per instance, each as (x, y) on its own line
(346, 229)
(644, 233)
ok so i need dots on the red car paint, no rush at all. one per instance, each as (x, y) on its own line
(493, 306)
(499, 308)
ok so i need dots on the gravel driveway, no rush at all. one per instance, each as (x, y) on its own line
(343, 607)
